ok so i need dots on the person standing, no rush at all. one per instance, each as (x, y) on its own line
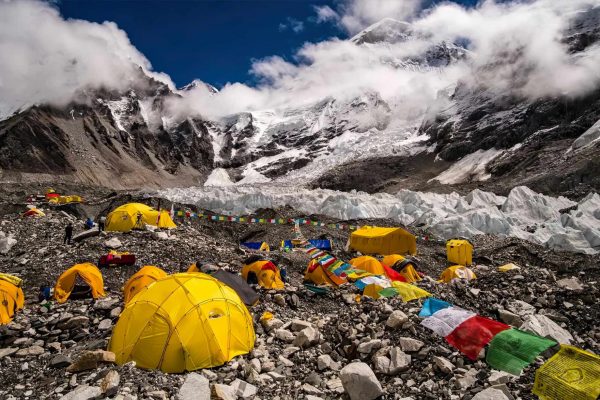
(101, 223)
(68, 233)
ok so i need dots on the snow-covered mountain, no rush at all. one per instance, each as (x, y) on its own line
(472, 137)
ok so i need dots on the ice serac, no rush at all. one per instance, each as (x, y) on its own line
(556, 223)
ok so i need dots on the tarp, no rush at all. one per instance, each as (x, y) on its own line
(473, 334)
(183, 322)
(15, 280)
(508, 267)
(512, 350)
(459, 252)
(141, 279)
(12, 299)
(125, 218)
(431, 306)
(34, 212)
(261, 246)
(376, 240)
(246, 293)
(88, 272)
(444, 321)
(569, 374)
(457, 272)
(321, 244)
(265, 273)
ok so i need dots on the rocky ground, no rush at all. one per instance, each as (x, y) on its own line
(307, 349)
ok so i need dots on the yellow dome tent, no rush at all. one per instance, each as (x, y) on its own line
(183, 322)
(140, 280)
(136, 216)
(263, 272)
(368, 264)
(405, 266)
(457, 272)
(90, 275)
(376, 240)
(12, 300)
(460, 252)
(316, 274)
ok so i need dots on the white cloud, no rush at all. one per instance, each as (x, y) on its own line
(358, 14)
(292, 24)
(325, 14)
(46, 58)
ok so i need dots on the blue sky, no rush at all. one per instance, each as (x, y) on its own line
(216, 40)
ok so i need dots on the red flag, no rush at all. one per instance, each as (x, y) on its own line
(473, 334)
(393, 275)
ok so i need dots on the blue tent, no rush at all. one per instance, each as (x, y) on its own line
(321, 244)
(256, 245)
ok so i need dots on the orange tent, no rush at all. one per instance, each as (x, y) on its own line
(405, 266)
(90, 274)
(12, 300)
(317, 274)
(140, 280)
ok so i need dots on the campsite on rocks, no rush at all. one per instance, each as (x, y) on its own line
(402, 203)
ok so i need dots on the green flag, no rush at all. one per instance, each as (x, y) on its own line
(512, 350)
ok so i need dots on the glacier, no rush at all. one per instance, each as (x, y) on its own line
(556, 223)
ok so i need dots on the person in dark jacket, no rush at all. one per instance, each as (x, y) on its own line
(68, 233)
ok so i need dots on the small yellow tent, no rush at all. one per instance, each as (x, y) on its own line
(460, 252)
(12, 300)
(141, 279)
(34, 212)
(405, 266)
(368, 264)
(90, 275)
(376, 240)
(263, 272)
(136, 216)
(316, 274)
(183, 322)
(457, 272)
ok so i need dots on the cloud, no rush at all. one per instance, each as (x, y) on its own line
(325, 14)
(359, 14)
(292, 24)
(47, 59)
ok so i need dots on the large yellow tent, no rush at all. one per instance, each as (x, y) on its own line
(12, 299)
(88, 272)
(368, 264)
(136, 216)
(405, 266)
(141, 279)
(315, 273)
(183, 322)
(265, 273)
(460, 252)
(376, 240)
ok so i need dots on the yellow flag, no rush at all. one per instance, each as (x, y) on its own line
(571, 373)
(409, 292)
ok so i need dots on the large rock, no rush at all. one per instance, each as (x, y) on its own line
(499, 392)
(396, 319)
(113, 243)
(284, 335)
(110, 383)
(393, 363)
(243, 389)
(360, 382)
(222, 392)
(443, 364)
(60, 361)
(307, 337)
(410, 344)
(370, 346)
(91, 359)
(30, 351)
(195, 387)
(6, 243)
(83, 392)
(569, 284)
(74, 322)
(520, 308)
(545, 327)
(8, 351)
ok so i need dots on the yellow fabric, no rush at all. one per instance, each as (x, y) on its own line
(183, 322)
(457, 272)
(266, 316)
(65, 199)
(264, 247)
(319, 276)
(15, 280)
(460, 252)
(570, 374)
(356, 275)
(140, 280)
(408, 272)
(36, 212)
(268, 279)
(508, 267)
(193, 268)
(125, 218)
(409, 292)
(118, 253)
(12, 299)
(368, 264)
(372, 291)
(376, 240)
(90, 275)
